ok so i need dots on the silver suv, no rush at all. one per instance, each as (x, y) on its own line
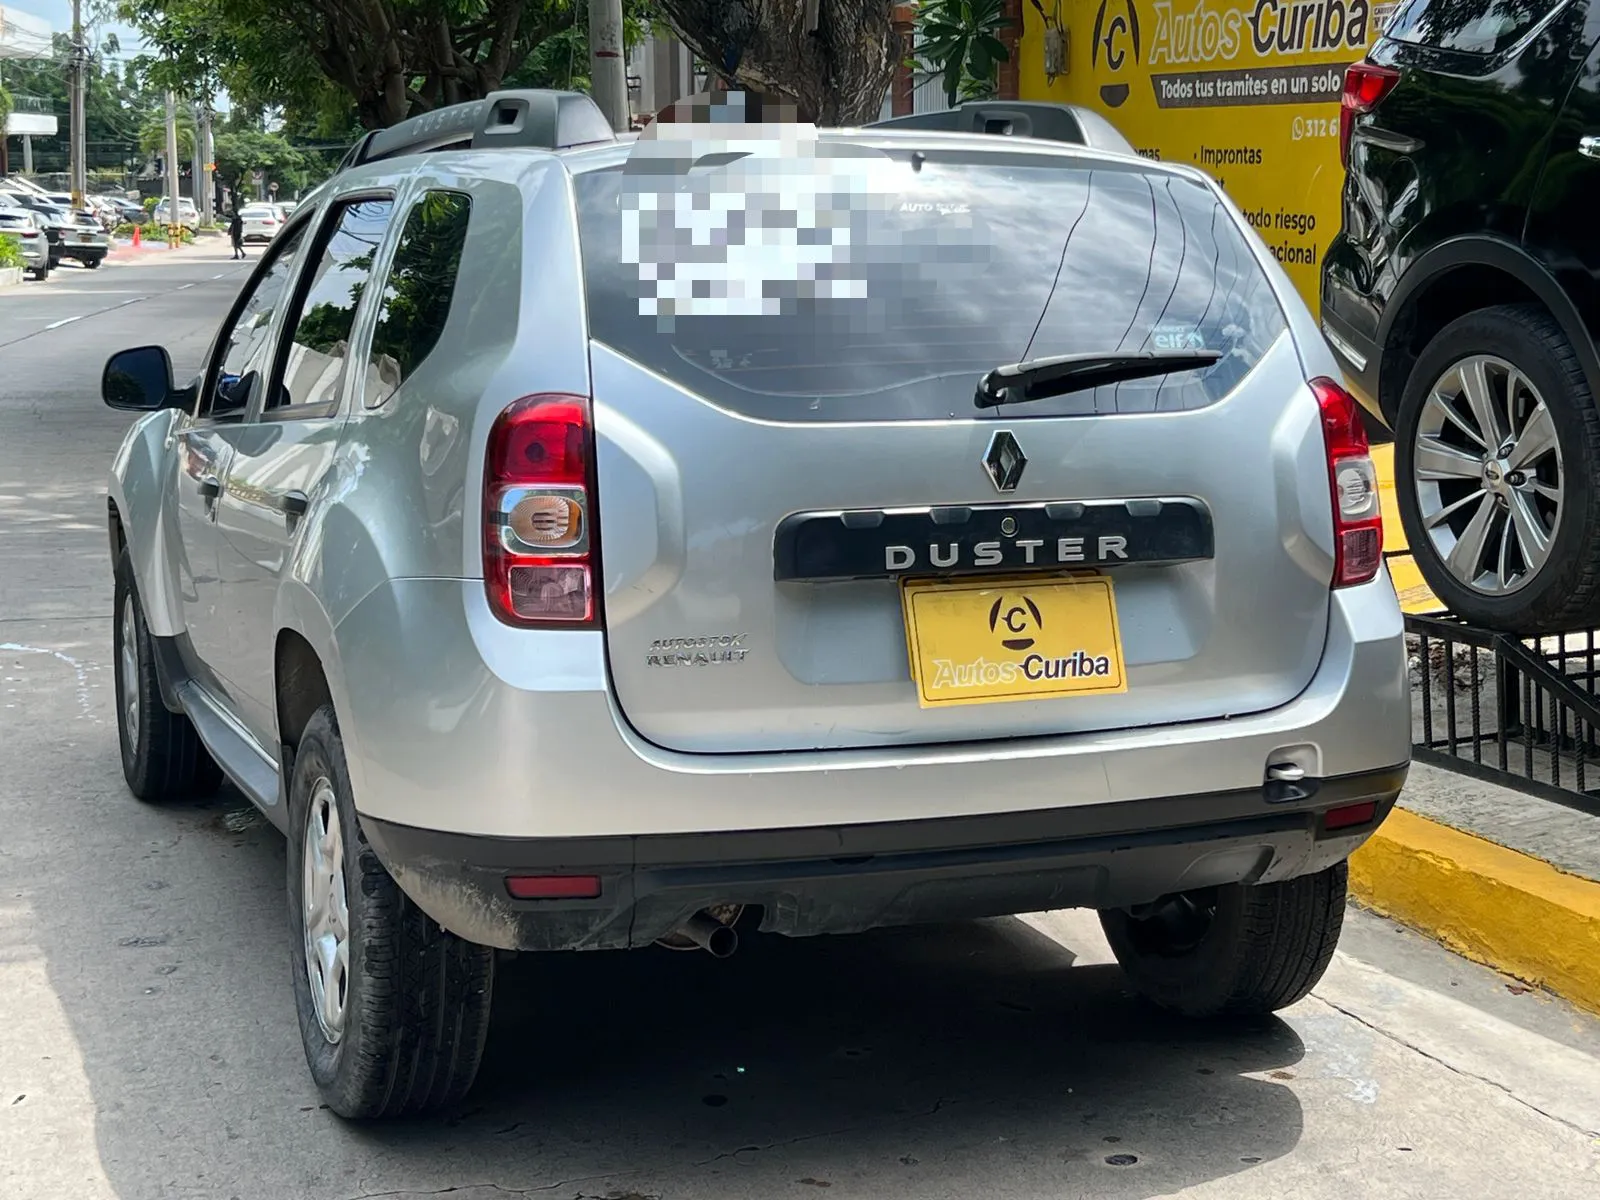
(579, 542)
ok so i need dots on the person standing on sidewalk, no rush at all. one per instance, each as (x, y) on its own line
(236, 234)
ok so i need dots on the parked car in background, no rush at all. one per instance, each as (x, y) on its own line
(130, 211)
(261, 222)
(188, 215)
(85, 239)
(543, 622)
(18, 225)
(54, 219)
(1460, 296)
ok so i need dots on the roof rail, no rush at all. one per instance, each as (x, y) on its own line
(539, 118)
(1019, 118)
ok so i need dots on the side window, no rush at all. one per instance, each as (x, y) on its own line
(244, 362)
(314, 362)
(416, 298)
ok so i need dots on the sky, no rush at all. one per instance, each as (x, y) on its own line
(59, 14)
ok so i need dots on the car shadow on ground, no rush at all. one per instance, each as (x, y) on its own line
(966, 1059)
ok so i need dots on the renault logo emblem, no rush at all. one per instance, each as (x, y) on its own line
(1004, 461)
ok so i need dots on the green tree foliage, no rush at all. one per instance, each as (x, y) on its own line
(960, 44)
(389, 59)
(240, 153)
(118, 104)
(153, 133)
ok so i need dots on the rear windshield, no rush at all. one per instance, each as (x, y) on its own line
(1481, 27)
(885, 290)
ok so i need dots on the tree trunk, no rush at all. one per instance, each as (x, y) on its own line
(835, 74)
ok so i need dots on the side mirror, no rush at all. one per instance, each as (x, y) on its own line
(138, 380)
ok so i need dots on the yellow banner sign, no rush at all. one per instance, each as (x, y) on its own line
(1248, 90)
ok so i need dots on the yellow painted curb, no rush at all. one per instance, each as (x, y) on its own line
(1495, 906)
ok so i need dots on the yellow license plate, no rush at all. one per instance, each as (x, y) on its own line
(982, 641)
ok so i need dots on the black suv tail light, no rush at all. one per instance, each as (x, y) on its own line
(1365, 86)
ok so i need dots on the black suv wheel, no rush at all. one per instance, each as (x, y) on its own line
(1497, 467)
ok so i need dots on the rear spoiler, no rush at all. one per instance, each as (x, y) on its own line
(1068, 123)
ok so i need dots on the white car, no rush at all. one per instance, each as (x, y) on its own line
(188, 214)
(261, 222)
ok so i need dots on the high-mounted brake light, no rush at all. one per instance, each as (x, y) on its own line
(539, 554)
(1357, 513)
(1365, 85)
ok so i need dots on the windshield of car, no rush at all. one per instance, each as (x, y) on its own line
(256, 214)
(868, 285)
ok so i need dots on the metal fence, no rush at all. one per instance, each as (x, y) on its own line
(1518, 711)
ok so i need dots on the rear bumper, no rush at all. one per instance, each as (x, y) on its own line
(456, 723)
(849, 878)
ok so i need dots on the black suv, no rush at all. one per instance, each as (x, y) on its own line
(1463, 296)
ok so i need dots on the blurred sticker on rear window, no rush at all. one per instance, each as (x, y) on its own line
(731, 217)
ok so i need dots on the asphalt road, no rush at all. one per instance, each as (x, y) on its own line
(148, 1048)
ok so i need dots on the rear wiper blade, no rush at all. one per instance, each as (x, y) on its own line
(1041, 378)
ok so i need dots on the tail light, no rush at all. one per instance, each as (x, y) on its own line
(1357, 513)
(1365, 85)
(540, 547)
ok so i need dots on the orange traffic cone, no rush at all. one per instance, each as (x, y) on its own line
(136, 242)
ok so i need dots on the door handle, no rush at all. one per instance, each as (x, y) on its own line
(1589, 146)
(210, 487)
(294, 504)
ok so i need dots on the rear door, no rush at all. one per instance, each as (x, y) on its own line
(811, 535)
(285, 450)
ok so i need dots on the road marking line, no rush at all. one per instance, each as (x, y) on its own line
(65, 321)
(183, 287)
(224, 275)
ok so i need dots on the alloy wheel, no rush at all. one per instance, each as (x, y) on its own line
(128, 656)
(1487, 471)
(325, 911)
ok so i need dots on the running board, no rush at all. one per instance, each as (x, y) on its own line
(238, 754)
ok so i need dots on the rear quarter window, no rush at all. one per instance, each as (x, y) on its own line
(1473, 27)
(960, 262)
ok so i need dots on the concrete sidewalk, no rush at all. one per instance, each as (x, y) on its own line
(1505, 878)
(205, 248)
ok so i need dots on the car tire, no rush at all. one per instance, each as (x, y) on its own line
(92, 263)
(1238, 950)
(41, 273)
(393, 1017)
(163, 758)
(1536, 569)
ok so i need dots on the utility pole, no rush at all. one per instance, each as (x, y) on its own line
(197, 168)
(208, 153)
(80, 57)
(174, 216)
(608, 69)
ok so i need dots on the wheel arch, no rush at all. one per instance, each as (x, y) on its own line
(1460, 276)
(305, 675)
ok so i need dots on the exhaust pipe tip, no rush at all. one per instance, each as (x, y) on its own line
(711, 935)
